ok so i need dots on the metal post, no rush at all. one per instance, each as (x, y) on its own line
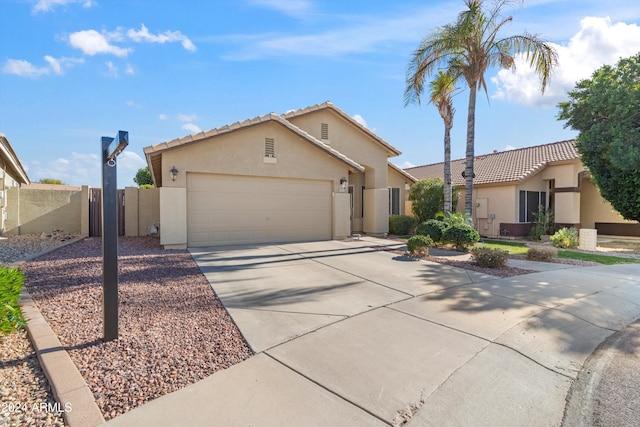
(110, 235)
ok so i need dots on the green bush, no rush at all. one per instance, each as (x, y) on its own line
(432, 228)
(419, 245)
(543, 223)
(11, 282)
(490, 257)
(542, 253)
(461, 236)
(565, 238)
(401, 224)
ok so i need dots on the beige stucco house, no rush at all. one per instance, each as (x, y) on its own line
(309, 174)
(12, 175)
(509, 187)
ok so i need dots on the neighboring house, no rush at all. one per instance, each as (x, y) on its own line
(510, 186)
(12, 175)
(309, 174)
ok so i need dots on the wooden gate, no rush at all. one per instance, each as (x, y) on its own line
(95, 212)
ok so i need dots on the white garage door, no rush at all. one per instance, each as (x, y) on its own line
(231, 209)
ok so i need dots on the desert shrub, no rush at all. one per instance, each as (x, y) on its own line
(543, 223)
(432, 228)
(490, 257)
(461, 236)
(419, 245)
(11, 282)
(451, 218)
(565, 238)
(401, 224)
(542, 253)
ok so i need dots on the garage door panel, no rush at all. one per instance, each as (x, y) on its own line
(225, 209)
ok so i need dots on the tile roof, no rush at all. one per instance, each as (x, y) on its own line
(505, 166)
(392, 151)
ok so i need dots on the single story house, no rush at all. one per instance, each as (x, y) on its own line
(308, 174)
(510, 186)
(12, 175)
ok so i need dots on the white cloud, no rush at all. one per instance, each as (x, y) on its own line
(143, 35)
(406, 165)
(47, 5)
(598, 42)
(163, 117)
(132, 103)
(130, 70)
(288, 7)
(358, 34)
(23, 68)
(192, 128)
(509, 147)
(92, 42)
(79, 169)
(358, 118)
(187, 117)
(112, 70)
(86, 169)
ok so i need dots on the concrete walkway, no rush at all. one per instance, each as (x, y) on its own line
(347, 335)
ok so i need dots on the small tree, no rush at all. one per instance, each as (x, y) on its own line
(427, 197)
(143, 178)
(606, 111)
(51, 181)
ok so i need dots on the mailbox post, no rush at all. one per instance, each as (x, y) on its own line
(110, 233)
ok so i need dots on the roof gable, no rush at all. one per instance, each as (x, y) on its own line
(153, 153)
(391, 150)
(505, 166)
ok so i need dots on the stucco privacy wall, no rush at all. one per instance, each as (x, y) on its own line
(43, 208)
(240, 153)
(40, 208)
(142, 210)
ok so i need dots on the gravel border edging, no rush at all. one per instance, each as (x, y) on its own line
(44, 252)
(67, 385)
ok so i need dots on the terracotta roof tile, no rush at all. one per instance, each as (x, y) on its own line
(505, 166)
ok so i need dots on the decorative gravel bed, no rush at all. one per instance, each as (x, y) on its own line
(173, 330)
(25, 396)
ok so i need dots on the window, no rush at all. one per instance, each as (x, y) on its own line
(324, 131)
(394, 201)
(529, 204)
(269, 147)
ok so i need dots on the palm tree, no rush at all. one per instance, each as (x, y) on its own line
(441, 96)
(466, 49)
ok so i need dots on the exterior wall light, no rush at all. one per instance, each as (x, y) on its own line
(174, 173)
(343, 183)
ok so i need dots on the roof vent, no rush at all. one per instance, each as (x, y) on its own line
(269, 147)
(324, 131)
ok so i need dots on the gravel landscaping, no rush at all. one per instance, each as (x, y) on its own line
(173, 330)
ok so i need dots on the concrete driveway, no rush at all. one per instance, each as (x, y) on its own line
(346, 334)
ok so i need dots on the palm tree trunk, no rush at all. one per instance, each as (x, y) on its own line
(468, 171)
(447, 168)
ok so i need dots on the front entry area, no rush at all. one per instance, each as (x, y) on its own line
(237, 209)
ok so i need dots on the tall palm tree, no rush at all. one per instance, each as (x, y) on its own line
(442, 89)
(467, 48)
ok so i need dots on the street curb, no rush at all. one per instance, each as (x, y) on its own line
(67, 385)
(580, 407)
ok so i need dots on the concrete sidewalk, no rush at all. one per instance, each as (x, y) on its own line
(349, 335)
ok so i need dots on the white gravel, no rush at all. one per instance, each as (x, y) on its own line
(173, 329)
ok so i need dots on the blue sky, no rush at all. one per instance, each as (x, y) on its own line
(72, 71)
